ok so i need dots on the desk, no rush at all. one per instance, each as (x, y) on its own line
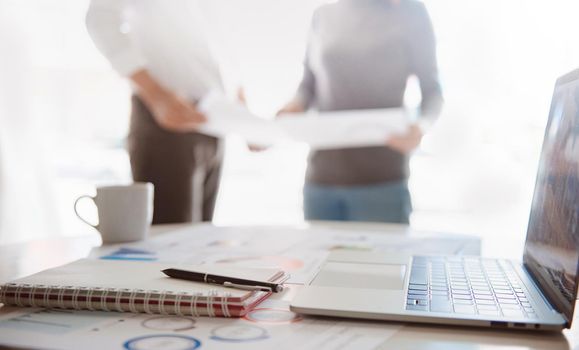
(23, 259)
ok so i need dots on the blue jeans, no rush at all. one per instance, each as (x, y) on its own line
(383, 202)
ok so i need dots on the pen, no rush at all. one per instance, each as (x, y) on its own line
(233, 282)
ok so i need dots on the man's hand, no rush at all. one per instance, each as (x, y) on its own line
(407, 142)
(175, 114)
(241, 96)
(293, 106)
(256, 148)
(170, 111)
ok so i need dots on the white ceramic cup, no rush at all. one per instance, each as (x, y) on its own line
(125, 212)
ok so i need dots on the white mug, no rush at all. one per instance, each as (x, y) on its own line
(125, 212)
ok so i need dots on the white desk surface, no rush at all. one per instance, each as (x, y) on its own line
(23, 259)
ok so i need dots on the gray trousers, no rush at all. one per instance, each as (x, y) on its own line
(184, 167)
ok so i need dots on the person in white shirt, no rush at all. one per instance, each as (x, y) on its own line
(163, 48)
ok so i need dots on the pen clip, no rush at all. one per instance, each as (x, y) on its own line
(246, 287)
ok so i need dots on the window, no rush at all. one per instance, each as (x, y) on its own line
(64, 113)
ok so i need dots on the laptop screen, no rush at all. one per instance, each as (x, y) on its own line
(552, 245)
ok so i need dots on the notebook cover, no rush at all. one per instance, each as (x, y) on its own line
(127, 286)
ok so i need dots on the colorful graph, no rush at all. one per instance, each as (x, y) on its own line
(130, 254)
(163, 341)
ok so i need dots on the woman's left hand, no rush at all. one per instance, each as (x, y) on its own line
(407, 142)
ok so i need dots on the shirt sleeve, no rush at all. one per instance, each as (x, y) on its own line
(106, 24)
(306, 89)
(424, 62)
(306, 92)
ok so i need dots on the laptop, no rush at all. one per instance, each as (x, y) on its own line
(536, 294)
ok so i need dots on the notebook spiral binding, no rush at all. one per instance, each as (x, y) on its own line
(163, 302)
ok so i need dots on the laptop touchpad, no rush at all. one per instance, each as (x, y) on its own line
(351, 275)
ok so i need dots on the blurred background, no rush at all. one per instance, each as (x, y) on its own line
(473, 174)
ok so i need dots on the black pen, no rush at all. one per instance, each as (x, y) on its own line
(225, 281)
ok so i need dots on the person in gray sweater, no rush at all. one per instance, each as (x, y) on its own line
(360, 54)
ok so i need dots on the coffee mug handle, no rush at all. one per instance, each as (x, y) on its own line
(76, 211)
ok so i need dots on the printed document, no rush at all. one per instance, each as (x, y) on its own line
(325, 130)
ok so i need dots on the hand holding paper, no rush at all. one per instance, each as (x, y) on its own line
(229, 117)
(345, 129)
(170, 111)
(326, 130)
(408, 142)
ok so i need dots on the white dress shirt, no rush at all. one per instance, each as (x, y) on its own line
(169, 38)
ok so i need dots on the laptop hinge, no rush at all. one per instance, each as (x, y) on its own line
(552, 305)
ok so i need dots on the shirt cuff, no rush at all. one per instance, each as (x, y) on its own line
(128, 62)
(304, 99)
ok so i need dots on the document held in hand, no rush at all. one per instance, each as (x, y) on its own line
(325, 130)
(129, 286)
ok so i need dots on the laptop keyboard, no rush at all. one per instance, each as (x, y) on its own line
(466, 285)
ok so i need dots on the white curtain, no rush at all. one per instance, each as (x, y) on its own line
(26, 201)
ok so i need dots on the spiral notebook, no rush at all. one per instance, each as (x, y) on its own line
(138, 287)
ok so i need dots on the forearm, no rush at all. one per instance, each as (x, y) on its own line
(293, 106)
(169, 110)
(430, 110)
(304, 95)
(148, 88)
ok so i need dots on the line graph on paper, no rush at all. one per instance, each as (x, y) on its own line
(52, 321)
